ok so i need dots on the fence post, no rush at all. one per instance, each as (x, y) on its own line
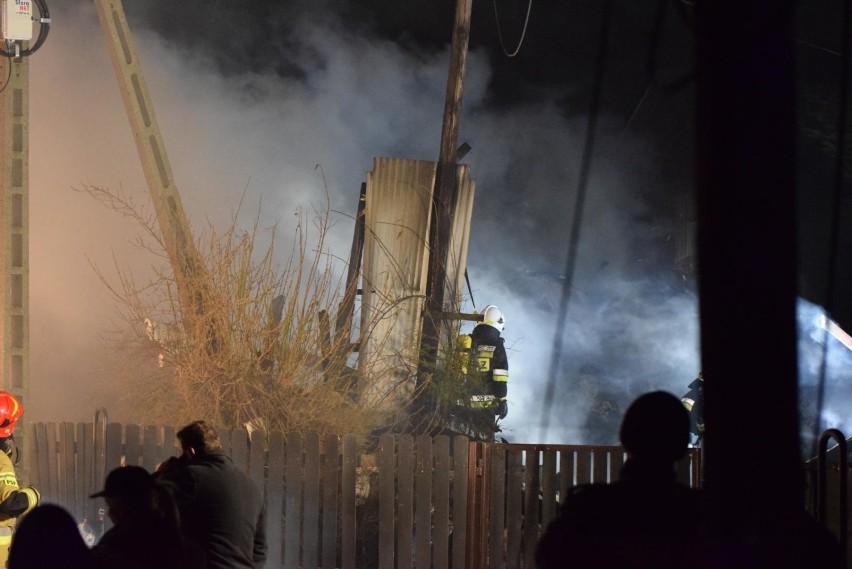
(477, 504)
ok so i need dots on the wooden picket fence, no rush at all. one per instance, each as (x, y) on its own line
(414, 502)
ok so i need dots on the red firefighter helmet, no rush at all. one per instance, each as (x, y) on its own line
(10, 411)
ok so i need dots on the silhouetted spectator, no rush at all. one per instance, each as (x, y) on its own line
(646, 519)
(146, 533)
(48, 538)
(221, 508)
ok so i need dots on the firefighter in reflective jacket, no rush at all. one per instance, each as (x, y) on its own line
(488, 358)
(694, 403)
(14, 500)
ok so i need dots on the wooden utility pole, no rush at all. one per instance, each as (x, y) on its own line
(444, 194)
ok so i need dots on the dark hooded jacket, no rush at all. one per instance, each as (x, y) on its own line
(221, 509)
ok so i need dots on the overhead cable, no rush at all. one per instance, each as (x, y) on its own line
(523, 32)
(577, 219)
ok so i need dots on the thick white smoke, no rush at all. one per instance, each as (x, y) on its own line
(266, 134)
(256, 139)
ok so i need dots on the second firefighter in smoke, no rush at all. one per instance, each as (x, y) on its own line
(486, 366)
(694, 403)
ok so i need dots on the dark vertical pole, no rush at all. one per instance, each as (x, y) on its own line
(343, 325)
(444, 195)
(747, 268)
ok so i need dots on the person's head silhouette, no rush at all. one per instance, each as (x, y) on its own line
(46, 538)
(656, 428)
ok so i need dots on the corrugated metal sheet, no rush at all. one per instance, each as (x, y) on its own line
(457, 257)
(395, 267)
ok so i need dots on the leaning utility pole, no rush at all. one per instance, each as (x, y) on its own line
(444, 194)
(190, 271)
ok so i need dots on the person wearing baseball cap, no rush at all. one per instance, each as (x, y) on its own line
(146, 533)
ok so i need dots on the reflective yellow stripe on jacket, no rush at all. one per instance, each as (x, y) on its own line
(8, 479)
(500, 375)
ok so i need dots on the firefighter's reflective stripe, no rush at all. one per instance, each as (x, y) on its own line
(6, 537)
(688, 403)
(484, 355)
(33, 498)
(8, 479)
(500, 375)
(481, 401)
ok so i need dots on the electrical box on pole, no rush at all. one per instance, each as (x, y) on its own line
(17, 18)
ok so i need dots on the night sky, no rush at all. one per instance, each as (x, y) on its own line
(252, 96)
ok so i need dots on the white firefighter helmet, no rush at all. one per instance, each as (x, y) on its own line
(493, 316)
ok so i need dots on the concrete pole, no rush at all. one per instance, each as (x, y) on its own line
(14, 212)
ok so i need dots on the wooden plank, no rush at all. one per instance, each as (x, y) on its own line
(113, 457)
(600, 465)
(423, 501)
(43, 460)
(584, 466)
(170, 444)
(514, 513)
(225, 440)
(386, 502)
(54, 465)
(567, 463)
(99, 456)
(532, 513)
(81, 497)
(405, 500)
(31, 460)
(150, 447)
(239, 449)
(682, 470)
(132, 445)
(461, 446)
(476, 524)
(293, 501)
(113, 449)
(695, 468)
(275, 499)
(616, 458)
(89, 471)
(257, 458)
(441, 503)
(68, 470)
(348, 503)
(549, 487)
(311, 506)
(330, 493)
(497, 508)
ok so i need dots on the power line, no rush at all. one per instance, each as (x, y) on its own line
(523, 32)
(576, 222)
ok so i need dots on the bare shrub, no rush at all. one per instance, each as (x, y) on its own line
(239, 341)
